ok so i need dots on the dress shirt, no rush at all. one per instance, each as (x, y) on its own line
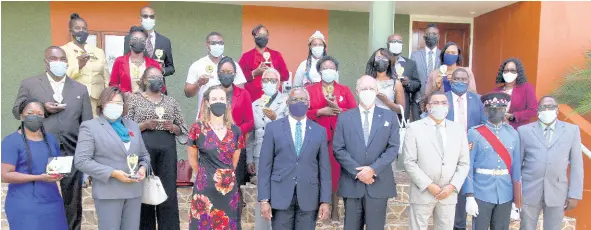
(433, 56)
(370, 115)
(552, 126)
(198, 69)
(293, 124)
(442, 130)
(457, 113)
(57, 86)
(95, 74)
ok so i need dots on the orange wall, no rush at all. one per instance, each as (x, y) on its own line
(512, 31)
(289, 30)
(102, 16)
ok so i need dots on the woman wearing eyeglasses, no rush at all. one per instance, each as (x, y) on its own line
(128, 69)
(523, 105)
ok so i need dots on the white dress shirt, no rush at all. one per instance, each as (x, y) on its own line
(370, 115)
(293, 124)
(433, 56)
(457, 113)
(57, 86)
(442, 130)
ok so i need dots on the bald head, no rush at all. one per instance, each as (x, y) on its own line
(366, 82)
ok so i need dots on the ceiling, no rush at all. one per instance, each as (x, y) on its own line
(468, 9)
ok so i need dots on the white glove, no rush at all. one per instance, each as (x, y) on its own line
(515, 213)
(471, 206)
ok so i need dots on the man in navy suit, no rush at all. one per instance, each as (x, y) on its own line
(294, 175)
(366, 143)
(467, 109)
(427, 59)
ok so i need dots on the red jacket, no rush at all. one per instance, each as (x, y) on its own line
(524, 105)
(344, 98)
(120, 76)
(251, 61)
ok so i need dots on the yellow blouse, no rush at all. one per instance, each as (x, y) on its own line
(94, 75)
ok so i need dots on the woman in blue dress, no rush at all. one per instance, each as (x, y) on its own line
(33, 200)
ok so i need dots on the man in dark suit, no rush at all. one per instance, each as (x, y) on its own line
(427, 59)
(366, 142)
(409, 77)
(158, 47)
(294, 169)
(67, 104)
(465, 108)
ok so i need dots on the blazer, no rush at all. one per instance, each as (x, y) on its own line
(350, 151)
(420, 58)
(242, 110)
(100, 151)
(476, 113)
(280, 169)
(255, 139)
(344, 98)
(162, 43)
(426, 163)
(64, 124)
(120, 76)
(524, 105)
(545, 165)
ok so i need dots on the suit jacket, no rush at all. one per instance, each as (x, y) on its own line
(426, 163)
(162, 43)
(64, 124)
(120, 76)
(412, 88)
(544, 166)
(350, 151)
(255, 140)
(100, 151)
(476, 113)
(420, 57)
(524, 105)
(280, 169)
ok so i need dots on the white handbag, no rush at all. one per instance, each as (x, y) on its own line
(402, 130)
(153, 193)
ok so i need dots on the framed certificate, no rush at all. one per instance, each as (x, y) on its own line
(60, 165)
(113, 44)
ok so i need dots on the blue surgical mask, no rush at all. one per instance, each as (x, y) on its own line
(450, 59)
(269, 89)
(58, 68)
(459, 88)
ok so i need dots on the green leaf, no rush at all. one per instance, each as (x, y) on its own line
(575, 88)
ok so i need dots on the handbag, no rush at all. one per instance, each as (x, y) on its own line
(402, 129)
(184, 174)
(153, 193)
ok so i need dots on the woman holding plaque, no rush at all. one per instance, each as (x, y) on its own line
(213, 151)
(327, 100)
(161, 120)
(440, 79)
(33, 200)
(391, 93)
(306, 73)
(128, 69)
(111, 150)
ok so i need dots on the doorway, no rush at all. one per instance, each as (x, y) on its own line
(448, 32)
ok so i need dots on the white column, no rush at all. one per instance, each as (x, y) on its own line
(381, 24)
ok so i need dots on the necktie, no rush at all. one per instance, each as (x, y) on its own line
(150, 47)
(548, 134)
(439, 137)
(462, 112)
(366, 127)
(298, 138)
(430, 61)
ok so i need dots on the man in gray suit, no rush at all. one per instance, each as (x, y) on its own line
(427, 59)
(436, 178)
(366, 142)
(67, 104)
(548, 148)
(294, 169)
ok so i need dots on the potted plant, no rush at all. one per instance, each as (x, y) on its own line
(575, 90)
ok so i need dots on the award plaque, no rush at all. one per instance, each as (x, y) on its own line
(399, 71)
(209, 70)
(59, 165)
(329, 92)
(159, 110)
(267, 56)
(132, 162)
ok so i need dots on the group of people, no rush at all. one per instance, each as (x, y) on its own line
(305, 147)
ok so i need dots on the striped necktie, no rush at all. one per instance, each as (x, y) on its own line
(150, 46)
(430, 62)
(366, 127)
(298, 138)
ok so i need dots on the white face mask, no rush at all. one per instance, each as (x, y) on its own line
(113, 111)
(269, 89)
(396, 48)
(148, 23)
(216, 50)
(317, 51)
(329, 75)
(509, 77)
(547, 116)
(439, 112)
(367, 97)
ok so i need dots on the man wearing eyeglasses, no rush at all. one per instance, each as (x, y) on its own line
(158, 47)
(548, 148)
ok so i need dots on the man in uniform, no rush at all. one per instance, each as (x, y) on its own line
(494, 179)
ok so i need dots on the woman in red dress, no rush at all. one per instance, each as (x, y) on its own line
(327, 100)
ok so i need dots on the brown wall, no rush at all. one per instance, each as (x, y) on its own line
(512, 31)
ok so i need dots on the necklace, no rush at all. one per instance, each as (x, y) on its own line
(138, 62)
(216, 128)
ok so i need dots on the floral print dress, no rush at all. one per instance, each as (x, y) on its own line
(215, 195)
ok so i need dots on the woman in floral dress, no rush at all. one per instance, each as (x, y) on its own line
(214, 150)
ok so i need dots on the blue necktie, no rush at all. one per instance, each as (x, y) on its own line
(298, 138)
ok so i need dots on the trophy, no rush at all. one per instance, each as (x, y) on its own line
(399, 71)
(443, 70)
(329, 92)
(159, 110)
(132, 162)
(159, 53)
(267, 56)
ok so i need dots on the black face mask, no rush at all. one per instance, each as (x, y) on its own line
(381, 65)
(33, 122)
(431, 41)
(218, 109)
(138, 47)
(495, 115)
(226, 79)
(261, 41)
(80, 36)
(155, 85)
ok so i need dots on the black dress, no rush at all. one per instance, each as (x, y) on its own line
(215, 200)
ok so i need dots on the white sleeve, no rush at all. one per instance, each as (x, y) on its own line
(239, 79)
(300, 74)
(192, 75)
